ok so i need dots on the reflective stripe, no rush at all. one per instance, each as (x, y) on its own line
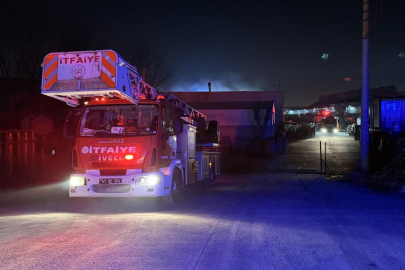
(50, 71)
(108, 69)
(107, 79)
(108, 58)
(111, 76)
(50, 82)
(50, 61)
(50, 68)
(111, 55)
(49, 58)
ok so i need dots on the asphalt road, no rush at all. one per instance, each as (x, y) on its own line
(304, 156)
(341, 152)
(259, 220)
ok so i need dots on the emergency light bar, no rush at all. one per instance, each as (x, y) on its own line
(70, 76)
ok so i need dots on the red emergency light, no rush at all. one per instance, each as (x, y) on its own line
(129, 157)
(326, 113)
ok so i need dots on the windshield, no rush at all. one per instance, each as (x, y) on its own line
(329, 120)
(119, 120)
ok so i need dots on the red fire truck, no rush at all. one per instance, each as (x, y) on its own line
(130, 141)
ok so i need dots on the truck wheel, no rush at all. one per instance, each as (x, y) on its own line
(176, 189)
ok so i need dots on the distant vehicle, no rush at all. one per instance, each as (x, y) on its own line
(329, 125)
(350, 129)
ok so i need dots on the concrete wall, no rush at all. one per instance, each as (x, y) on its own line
(242, 117)
(238, 124)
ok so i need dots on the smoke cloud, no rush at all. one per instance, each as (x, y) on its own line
(228, 82)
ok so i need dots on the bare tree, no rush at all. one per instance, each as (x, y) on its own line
(261, 127)
(27, 36)
(24, 39)
(150, 63)
(4, 60)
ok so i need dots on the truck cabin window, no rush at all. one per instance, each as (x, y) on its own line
(330, 120)
(119, 120)
(167, 123)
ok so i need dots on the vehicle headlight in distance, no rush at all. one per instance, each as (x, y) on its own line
(323, 129)
(152, 179)
(335, 130)
(77, 181)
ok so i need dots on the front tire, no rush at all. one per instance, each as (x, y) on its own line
(176, 189)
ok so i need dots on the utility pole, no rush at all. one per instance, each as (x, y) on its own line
(365, 137)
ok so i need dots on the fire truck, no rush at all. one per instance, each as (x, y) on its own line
(328, 123)
(130, 140)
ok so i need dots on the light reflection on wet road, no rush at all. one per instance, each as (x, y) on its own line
(257, 220)
(246, 221)
(27, 164)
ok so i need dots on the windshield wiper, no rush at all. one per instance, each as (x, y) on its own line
(104, 133)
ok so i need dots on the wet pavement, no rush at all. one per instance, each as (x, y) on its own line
(249, 221)
(341, 153)
(304, 156)
(255, 220)
(34, 163)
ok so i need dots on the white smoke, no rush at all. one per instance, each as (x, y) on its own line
(228, 82)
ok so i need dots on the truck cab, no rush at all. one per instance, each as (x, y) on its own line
(329, 125)
(126, 150)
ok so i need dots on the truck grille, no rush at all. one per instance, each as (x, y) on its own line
(115, 164)
(113, 172)
(113, 188)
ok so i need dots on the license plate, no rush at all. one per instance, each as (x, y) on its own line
(110, 180)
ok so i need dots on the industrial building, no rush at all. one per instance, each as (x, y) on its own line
(242, 115)
(387, 108)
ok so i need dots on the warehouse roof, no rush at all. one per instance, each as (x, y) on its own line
(232, 105)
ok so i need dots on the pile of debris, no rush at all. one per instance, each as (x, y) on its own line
(353, 176)
(392, 175)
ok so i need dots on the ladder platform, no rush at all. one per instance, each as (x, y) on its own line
(70, 76)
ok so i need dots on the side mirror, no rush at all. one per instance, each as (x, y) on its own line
(154, 124)
(67, 131)
(164, 138)
(71, 124)
(178, 126)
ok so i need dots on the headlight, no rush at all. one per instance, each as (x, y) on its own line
(77, 181)
(323, 129)
(335, 130)
(149, 179)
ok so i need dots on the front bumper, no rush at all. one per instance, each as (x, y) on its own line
(129, 187)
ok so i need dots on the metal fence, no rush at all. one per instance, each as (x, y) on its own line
(16, 136)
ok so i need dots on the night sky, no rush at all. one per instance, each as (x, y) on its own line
(248, 45)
